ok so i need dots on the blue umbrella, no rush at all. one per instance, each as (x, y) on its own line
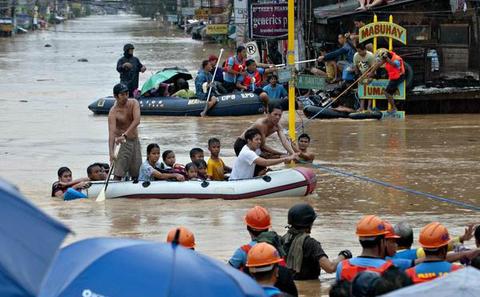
(29, 240)
(116, 267)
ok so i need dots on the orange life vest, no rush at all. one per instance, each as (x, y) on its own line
(247, 80)
(394, 72)
(349, 271)
(237, 65)
(425, 277)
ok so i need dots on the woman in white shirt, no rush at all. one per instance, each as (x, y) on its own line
(244, 165)
(149, 169)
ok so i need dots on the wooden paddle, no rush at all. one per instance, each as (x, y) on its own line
(365, 74)
(211, 83)
(101, 196)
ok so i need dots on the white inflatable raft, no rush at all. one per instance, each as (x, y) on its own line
(282, 183)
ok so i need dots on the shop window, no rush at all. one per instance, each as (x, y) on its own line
(455, 34)
(416, 34)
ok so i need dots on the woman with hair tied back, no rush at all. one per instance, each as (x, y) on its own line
(150, 169)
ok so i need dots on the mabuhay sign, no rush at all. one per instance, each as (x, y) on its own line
(383, 29)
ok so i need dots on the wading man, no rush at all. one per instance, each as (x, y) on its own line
(123, 120)
(129, 68)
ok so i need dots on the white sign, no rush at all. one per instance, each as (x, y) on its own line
(188, 11)
(252, 51)
(241, 11)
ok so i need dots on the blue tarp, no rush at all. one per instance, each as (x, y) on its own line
(117, 267)
(29, 240)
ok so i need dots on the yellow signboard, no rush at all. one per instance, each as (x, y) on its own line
(376, 90)
(202, 13)
(217, 29)
(383, 29)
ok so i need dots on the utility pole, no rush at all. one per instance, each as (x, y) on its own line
(291, 66)
(14, 17)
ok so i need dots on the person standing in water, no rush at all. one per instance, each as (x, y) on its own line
(123, 121)
(129, 68)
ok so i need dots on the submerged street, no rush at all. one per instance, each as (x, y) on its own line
(45, 124)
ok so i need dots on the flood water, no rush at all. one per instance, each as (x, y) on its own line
(45, 124)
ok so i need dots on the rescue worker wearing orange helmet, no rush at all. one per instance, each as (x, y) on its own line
(305, 255)
(258, 223)
(434, 239)
(371, 233)
(263, 263)
(405, 250)
(185, 237)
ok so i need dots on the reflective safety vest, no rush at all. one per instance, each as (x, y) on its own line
(394, 72)
(237, 66)
(430, 275)
(246, 248)
(247, 80)
(349, 271)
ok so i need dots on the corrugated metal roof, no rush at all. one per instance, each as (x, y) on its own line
(325, 13)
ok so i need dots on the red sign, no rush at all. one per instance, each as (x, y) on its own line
(269, 20)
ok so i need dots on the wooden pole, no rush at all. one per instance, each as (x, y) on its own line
(291, 64)
(374, 102)
(390, 47)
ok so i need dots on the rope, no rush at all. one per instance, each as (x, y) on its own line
(399, 188)
(369, 70)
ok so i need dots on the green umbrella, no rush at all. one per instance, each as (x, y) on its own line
(167, 75)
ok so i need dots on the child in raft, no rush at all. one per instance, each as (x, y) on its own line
(150, 169)
(65, 182)
(201, 169)
(216, 168)
(184, 91)
(192, 171)
(95, 172)
(170, 163)
(196, 153)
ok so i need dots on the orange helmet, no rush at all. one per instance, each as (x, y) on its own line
(434, 235)
(390, 231)
(258, 218)
(370, 226)
(262, 257)
(185, 239)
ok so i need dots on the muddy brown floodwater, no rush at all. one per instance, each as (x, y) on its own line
(45, 124)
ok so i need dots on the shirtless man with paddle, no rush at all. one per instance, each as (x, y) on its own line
(123, 120)
(267, 126)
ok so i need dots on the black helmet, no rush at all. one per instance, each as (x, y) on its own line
(128, 47)
(301, 215)
(119, 88)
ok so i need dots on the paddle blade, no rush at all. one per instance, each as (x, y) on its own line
(101, 196)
